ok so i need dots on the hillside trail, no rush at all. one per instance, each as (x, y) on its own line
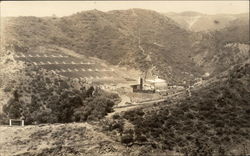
(123, 107)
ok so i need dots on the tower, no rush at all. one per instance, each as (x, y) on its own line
(141, 83)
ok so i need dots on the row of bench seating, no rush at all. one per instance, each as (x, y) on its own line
(41, 55)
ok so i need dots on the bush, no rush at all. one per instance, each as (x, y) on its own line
(127, 139)
(4, 119)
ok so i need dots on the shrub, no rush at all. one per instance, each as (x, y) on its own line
(4, 119)
(127, 139)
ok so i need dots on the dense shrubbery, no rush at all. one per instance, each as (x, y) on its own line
(38, 100)
(214, 118)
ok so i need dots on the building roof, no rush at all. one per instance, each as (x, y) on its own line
(156, 80)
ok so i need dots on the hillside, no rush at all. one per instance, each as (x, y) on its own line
(134, 38)
(213, 121)
(130, 38)
(38, 95)
(218, 50)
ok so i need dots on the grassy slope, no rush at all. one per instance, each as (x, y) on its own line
(61, 139)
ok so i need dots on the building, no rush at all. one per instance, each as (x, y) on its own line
(152, 85)
(138, 87)
(158, 84)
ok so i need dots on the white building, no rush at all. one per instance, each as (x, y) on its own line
(157, 83)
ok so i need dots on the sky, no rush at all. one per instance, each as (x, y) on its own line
(66, 8)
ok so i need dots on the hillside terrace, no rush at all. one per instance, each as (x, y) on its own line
(69, 66)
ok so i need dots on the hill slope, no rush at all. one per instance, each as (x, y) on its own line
(132, 37)
(213, 121)
(137, 38)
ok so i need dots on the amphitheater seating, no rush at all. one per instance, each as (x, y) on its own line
(69, 66)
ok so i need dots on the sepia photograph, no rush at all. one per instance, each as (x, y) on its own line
(124, 78)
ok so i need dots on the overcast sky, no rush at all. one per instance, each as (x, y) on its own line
(64, 8)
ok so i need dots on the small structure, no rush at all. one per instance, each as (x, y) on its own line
(150, 86)
(14, 121)
(138, 87)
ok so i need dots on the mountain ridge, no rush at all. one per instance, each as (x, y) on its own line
(132, 38)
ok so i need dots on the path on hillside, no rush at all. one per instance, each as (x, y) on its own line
(122, 108)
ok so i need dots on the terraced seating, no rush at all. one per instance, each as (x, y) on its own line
(69, 66)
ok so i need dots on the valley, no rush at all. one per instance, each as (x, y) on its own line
(125, 82)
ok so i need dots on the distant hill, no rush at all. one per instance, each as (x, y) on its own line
(197, 22)
(218, 50)
(134, 38)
